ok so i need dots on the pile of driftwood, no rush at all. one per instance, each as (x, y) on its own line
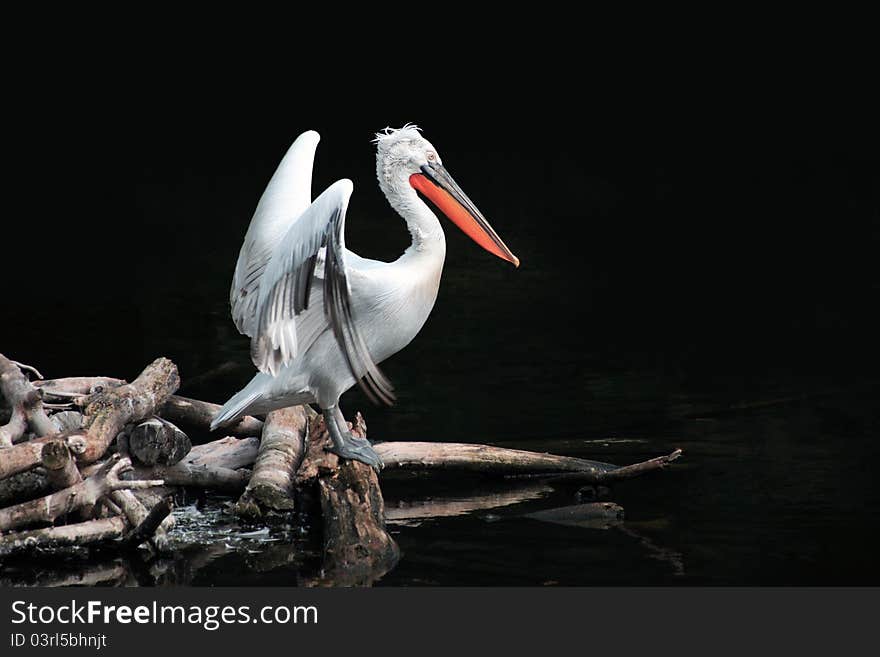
(97, 460)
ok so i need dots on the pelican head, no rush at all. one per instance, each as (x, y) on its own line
(405, 158)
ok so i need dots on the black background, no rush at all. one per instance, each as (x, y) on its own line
(723, 220)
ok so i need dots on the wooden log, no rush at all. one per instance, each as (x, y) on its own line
(111, 410)
(77, 386)
(156, 441)
(105, 416)
(148, 499)
(26, 405)
(282, 448)
(357, 549)
(215, 466)
(638, 469)
(229, 452)
(617, 474)
(486, 459)
(60, 465)
(27, 455)
(180, 410)
(86, 493)
(150, 526)
(207, 477)
(83, 533)
(138, 516)
(198, 415)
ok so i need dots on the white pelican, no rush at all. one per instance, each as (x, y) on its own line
(320, 317)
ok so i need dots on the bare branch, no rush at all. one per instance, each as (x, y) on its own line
(27, 368)
(25, 402)
(84, 494)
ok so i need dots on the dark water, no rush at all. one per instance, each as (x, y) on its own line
(719, 300)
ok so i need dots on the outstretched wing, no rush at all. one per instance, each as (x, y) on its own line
(286, 197)
(287, 281)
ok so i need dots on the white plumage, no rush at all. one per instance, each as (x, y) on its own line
(320, 317)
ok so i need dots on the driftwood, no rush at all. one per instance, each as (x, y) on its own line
(83, 533)
(357, 549)
(60, 465)
(67, 463)
(24, 401)
(198, 415)
(208, 477)
(638, 469)
(156, 441)
(132, 508)
(77, 386)
(86, 493)
(86, 533)
(235, 453)
(24, 456)
(148, 525)
(229, 452)
(106, 415)
(111, 410)
(281, 451)
(485, 459)
(217, 465)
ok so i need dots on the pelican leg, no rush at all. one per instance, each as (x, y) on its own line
(347, 445)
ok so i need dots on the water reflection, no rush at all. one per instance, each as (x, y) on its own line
(210, 547)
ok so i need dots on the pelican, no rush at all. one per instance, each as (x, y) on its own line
(321, 317)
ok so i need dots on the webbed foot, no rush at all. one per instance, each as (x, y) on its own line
(347, 445)
(358, 449)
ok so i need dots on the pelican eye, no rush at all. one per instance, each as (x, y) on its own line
(431, 155)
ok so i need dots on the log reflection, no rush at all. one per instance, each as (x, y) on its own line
(413, 511)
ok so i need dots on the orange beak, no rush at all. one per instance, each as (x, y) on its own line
(436, 183)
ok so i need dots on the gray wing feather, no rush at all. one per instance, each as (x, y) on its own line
(337, 305)
(284, 294)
